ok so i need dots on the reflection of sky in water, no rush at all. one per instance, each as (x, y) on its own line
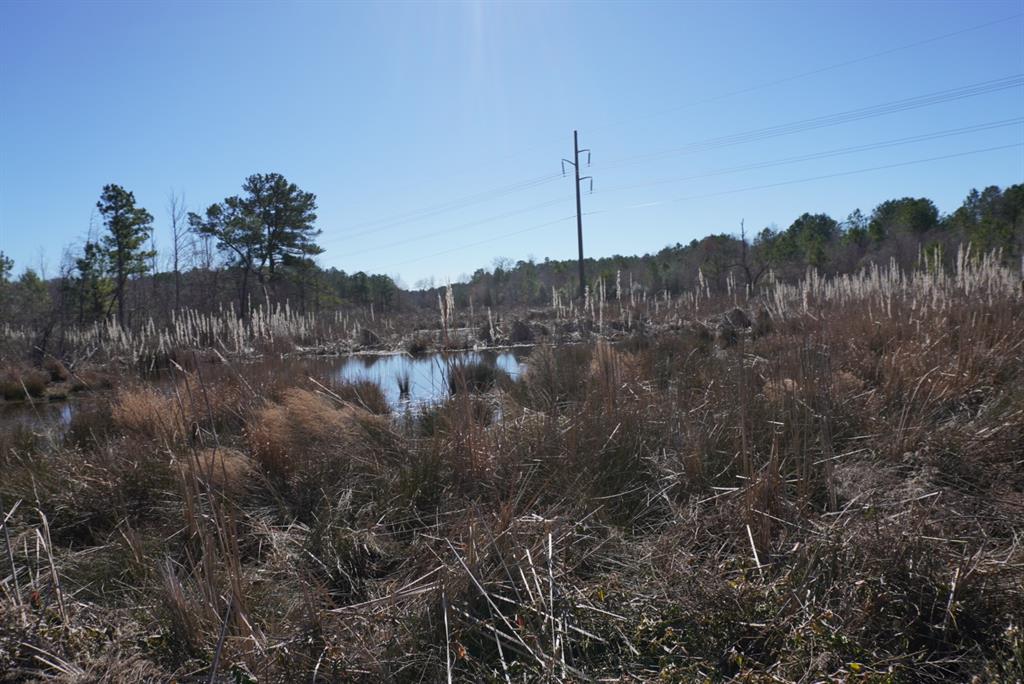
(428, 381)
(428, 375)
(38, 417)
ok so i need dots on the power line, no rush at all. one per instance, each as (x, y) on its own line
(815, 72)
(522, 231)
(491, 239)
(790, 78)
(431, 210)
(717, 172)
(453, 229)
(814, 178)
(419, 214)
(827, 120)
(579, 214)
(825, 154)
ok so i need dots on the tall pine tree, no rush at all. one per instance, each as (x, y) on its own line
(128, 228)
(269, 226)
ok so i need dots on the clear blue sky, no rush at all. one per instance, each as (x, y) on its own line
(386, 109)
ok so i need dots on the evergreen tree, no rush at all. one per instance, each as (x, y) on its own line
(6, 266)
(92, 287)
(239, 237)
(908, 215)
(286, 215)
(128, 229)
(271, 225)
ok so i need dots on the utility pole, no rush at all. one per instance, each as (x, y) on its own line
(579, 214)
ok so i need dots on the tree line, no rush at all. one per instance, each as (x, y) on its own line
(259, 248)
(898, 229)
(254, 248)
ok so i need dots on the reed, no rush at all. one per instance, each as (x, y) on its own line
(832, 494)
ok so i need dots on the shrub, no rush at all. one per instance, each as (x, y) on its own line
(762, 323)
(368, 338)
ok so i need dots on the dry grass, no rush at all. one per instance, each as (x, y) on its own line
(23, 383)
(308, 442)
(474, 376)
(365, 394)
(224, 469)
(150, 414)
(835, 494)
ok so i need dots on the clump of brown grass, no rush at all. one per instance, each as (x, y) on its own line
(461, 412)
(838, 500)
(554, 375)
(91, 380)
(474, 376)
(149, 413)
(610, 371)
(366, 394)
(58, 372)
(304, 427)
(23, 383)
(222, 468)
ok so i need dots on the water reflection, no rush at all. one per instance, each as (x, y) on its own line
(427, 377)
(38, 417)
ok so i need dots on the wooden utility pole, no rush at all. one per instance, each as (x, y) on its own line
(579, 214)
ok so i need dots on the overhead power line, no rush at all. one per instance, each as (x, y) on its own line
(827, 120)
(471, 224)
(491, 239)
(815, 72)
(825, 154)
(784, 79)
(809, 179)
(430, 210)
(575, 163)
(710, 174)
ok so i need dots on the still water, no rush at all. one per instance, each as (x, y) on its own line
(427, 375)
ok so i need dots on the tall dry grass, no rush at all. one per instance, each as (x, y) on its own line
(835, 494)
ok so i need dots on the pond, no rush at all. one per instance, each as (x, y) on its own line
(427, 377)
(39, 418)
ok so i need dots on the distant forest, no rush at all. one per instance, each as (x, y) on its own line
(260, 247)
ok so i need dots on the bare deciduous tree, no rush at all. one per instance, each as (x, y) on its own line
(751, 272)
(181, 240)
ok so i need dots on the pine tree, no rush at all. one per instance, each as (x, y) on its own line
(128, 229)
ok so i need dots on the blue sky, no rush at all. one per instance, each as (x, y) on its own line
(385, 110)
